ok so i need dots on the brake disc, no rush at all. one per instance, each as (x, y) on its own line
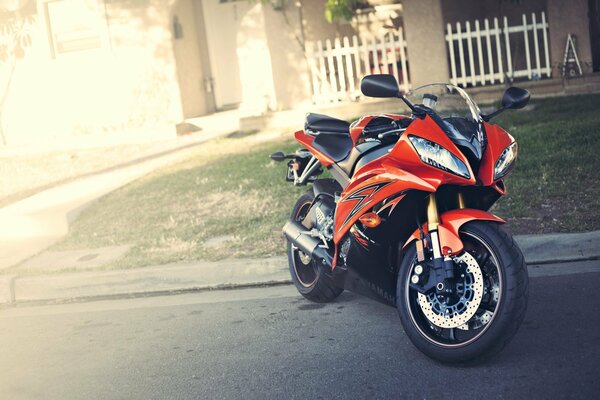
(455, 315)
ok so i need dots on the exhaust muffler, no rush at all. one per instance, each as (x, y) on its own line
(300, 237)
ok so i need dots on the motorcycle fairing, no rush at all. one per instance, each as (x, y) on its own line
(399, 171)
(405, 156)
(497, 140)
(379, 183)
(450, 223)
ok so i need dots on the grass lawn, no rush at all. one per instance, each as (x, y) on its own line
(231, 188)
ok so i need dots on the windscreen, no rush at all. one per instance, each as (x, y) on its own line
(460, 116)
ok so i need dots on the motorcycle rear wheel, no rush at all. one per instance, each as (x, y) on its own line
(502, 306)
(310, 278)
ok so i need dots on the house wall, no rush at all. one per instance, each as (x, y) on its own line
(290, 69)
(129, 84)
(426, 44)
(187, 53)
(255, 64)
(566, 17)
(469, 10)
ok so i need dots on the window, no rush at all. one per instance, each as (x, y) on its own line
(73, 25)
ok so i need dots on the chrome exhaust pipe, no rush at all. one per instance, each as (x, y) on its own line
(300, 237)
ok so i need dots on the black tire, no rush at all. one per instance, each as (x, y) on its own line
(310, 278)
(506, 291)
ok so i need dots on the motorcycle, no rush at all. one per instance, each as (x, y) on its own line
(404, 218)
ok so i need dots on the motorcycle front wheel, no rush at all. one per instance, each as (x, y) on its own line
(486, 307)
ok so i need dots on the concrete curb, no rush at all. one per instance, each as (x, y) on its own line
(229, 274)
(163, 279)
(559, 247)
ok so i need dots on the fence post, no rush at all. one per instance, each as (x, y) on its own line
(480, 52)
(526, 38)
(537, 46)
(450, 40)
(405, 80)
(394, 62)
(332, 77)
(461, 55)
(509, 68)
(546, 52)
(357, 60)
(366, 56)
(340, 68)
(470, 49)
(375, 55)
(350, 70)
(488, 40)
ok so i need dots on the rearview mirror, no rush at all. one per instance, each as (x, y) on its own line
(512, 99)
(278, 156)
(380, 85)
(515, 98)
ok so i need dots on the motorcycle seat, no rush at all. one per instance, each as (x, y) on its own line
(332, 135)
(316, 124)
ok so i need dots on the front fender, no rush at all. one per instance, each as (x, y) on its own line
(450, 223)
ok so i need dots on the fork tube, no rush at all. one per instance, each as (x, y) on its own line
(432, 224)
(461, 201)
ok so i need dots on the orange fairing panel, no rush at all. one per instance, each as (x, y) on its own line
(407, 158)
(450, 223)
(370, 188)
(497, 140)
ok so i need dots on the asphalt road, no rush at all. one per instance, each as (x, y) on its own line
(271, 343)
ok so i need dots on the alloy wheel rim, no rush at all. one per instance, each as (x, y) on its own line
(493, 285)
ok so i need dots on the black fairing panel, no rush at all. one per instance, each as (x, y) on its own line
(366, 272)
(336, 146)
(464, 134)
(373, 155)
(326, 186)
(347, 165)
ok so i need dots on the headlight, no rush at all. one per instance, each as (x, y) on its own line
(505, 161)
(435, 155)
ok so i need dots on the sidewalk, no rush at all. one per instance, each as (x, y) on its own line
(36, 222)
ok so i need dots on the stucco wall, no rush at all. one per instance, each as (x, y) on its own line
(190, 69)
(127, 85)
(566, 17)
(426, 44)
(290, 70)
(469, 10)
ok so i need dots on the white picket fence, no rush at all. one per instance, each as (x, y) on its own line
(336, 69)
(496, 48)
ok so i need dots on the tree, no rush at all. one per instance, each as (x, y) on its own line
(15, 37)
(338, 10)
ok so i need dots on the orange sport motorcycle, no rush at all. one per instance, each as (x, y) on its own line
(404, 219)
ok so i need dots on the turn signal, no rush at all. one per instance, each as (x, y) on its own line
(370, 220)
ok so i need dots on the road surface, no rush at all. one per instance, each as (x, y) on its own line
(271, 343)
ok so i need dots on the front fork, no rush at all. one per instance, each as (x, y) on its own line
(443, 265)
